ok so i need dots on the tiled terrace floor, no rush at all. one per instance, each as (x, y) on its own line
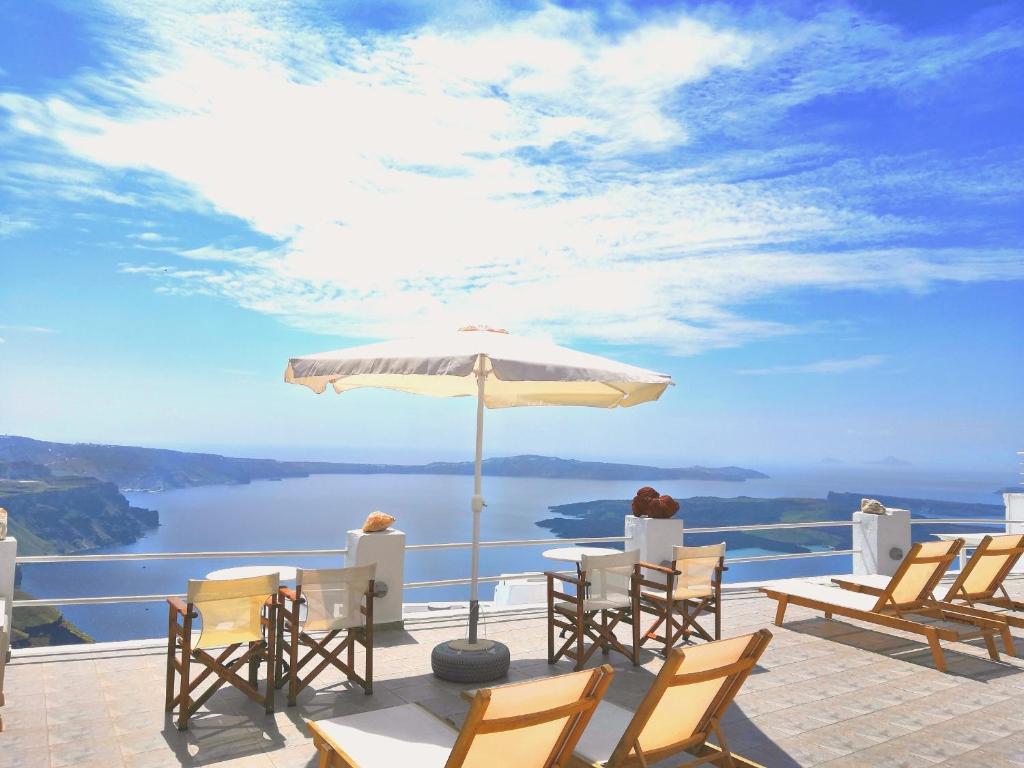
(827, 693)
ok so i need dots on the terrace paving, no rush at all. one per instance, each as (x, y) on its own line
(828, 693)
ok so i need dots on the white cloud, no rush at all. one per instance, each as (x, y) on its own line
(27, 329)
(821, 366)
(395, 175)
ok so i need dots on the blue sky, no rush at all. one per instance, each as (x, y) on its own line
(810, 214)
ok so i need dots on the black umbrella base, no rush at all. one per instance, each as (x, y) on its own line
(460, 661)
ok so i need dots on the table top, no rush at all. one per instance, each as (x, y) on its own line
(575, 554)
(285, 572)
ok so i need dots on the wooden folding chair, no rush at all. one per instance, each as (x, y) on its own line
(534, 724)
(905, 603)
(234, 613)
(333, 599)
(607, 594)
(692, 587)
(682, 709)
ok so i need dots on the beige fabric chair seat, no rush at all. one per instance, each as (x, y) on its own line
(593, 604)
(833, 595)
(384, 738)
(680, 593)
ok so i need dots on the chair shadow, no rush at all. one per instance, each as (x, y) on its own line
(905, 649)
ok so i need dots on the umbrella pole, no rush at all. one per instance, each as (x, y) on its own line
(478, 505)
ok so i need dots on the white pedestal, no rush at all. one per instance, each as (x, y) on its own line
(1015, 520)
(8, 553)
(387, 550)
(883, 541)
(654, 538)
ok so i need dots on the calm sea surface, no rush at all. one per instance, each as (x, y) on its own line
(315, 513)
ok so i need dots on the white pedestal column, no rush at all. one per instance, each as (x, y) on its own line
(8, 553)
(1015, 520)
(883, 540)
(387, 550)
(654, 538)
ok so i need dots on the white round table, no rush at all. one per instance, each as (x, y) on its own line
(575, 554)
(284, 572)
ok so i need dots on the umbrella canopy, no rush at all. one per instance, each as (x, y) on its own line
(501, 370)
(518, 371)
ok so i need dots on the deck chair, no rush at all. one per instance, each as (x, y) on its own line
(681, 710)
(607, 594)
(693, 586)
(333, 598)
(234, 613)
(978, 589)
(905, 603)
(534, 724)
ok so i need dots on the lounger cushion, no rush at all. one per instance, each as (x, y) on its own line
(604, 730)
(406, 735)
(831, 595)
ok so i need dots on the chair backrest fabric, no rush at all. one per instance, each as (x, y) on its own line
(534, 724)
(334, 596)
(920, 572)
(992, 560)
(698, 567)
(230, 609)
(610, 576)
(691, 693)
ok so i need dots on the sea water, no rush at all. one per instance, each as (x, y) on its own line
(316, 512)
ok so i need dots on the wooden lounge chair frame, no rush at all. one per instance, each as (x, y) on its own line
(333, 755)
(667, 608)
(291, 638)
(222, 666)
(888, 613)
(628, 754)
(957, 593)
(598, 626)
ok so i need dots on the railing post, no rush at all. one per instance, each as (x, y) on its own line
(387, 550)
(8, 554)
(1015, 520)
(654, 538)
(883, 540)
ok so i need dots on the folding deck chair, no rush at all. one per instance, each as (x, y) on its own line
(607, 594)
(534, 724)
(234, 613)
(905, 603)
(692, 587)
(333, 598)
(681, 710)
(977, 588)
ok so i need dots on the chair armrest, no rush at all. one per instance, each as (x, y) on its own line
(661, 569)
(565, 577)
(179, 606)
(286, 592)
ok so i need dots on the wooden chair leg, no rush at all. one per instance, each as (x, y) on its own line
(184, 700)
(940, 659)
(272, 659)
(172, 633)
(293, 655)
(780, 612)
(718, 619)
(579, 638)
(605, 647)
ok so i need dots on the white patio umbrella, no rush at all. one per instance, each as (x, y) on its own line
(500, 369)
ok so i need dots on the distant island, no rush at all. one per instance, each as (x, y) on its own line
(153, 469)
(605, 518)
(891, 461)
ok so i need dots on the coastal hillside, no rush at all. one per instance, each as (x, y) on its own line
(62, 515)
(154, 469)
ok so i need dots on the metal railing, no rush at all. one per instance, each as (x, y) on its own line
(295, 553)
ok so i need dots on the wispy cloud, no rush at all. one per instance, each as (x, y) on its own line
(27, 329)
(546, 172)
(821, 366)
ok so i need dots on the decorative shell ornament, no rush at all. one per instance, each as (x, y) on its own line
(377, 521)
(872, 506)
(649, 503)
